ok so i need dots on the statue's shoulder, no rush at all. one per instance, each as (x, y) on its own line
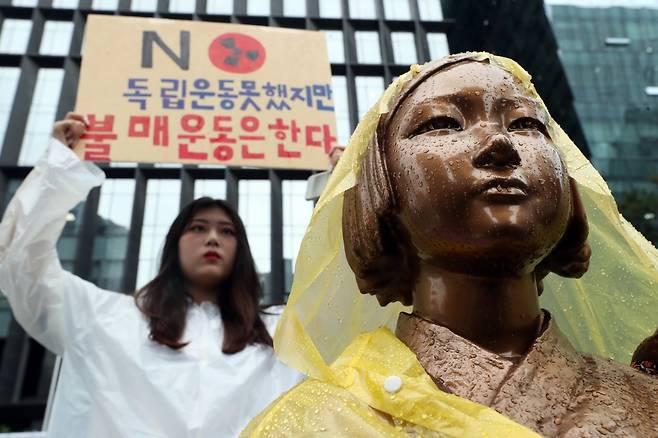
(623, 397)
(316, 407)
(612, 374)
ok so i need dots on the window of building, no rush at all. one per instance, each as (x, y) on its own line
(430, 10)
(182, 6)
(28, 3)
(9, 80)
(213, 188)
(341, 108)
(254, 209)
(14, 35)
(65, 4)
(651, 91)
(294, 8)
(222, 7)
(404, 48)
(42, 115)
(438, 44)
(368, 90)
(330, 8)
(105, 5)
(397, 9)
(335, 47)
(56, 38)
(297, 213)
(143, 5)
(617, 41)
(258, 7)
(112, 228)
(160, 210)
(362, 9)
(367, 47)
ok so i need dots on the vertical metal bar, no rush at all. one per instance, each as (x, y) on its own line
(23, 355)
(277, 281)
(239, 8)
(232, 196)
(162, 6)
(36, 33)
(312, 10)
(19, 111)
(78, 32)
(201, 8)
(186, 188)
(350, 60)
(4, 186)
(386, 44)
(422, 48)
(69, 88)
(276, 9)
(51, 393)
(124, 5)
(11, 360)
(135, 234)
(379, 10)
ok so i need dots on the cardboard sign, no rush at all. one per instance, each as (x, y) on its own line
(173, 91)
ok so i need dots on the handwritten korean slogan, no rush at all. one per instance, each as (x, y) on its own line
(171, 91)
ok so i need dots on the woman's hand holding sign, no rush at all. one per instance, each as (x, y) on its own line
(70, 130)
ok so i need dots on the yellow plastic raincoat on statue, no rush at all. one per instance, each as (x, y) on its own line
(365, 382)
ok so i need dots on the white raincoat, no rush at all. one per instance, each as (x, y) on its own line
(114, 381)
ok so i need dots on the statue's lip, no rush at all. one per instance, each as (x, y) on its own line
(504, 183)
(504, 188)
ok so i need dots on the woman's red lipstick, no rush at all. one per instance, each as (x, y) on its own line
(211, 255)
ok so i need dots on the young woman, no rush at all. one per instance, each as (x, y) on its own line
(189, 355)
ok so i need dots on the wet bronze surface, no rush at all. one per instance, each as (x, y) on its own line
(462, 206)
(552, 389)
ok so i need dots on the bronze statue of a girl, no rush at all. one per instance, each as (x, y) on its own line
(462, 205)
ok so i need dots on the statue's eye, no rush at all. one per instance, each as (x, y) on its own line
(437, 124)
(527, 124)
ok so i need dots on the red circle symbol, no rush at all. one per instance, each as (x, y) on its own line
(236, 53)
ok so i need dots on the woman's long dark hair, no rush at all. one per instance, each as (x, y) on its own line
(165, 301)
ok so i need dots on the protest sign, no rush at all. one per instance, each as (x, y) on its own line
(175, 91)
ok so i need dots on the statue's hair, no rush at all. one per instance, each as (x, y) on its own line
(377, 246)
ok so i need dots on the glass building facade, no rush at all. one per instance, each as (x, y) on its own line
(114, 238)
(610, 55)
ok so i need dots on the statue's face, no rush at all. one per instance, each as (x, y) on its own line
(479, 184)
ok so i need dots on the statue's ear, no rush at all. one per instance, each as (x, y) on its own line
(570, 257)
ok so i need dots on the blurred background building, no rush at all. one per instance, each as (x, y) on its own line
(609, 50)
(114, 238)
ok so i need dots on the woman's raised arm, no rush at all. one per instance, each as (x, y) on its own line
(51, 304)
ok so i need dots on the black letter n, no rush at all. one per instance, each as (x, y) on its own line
(150, 37)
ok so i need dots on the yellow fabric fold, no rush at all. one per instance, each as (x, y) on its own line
(355, 402)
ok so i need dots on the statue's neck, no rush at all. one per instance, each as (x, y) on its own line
(500, 314)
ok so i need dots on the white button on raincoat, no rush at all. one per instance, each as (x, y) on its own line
(114, 381)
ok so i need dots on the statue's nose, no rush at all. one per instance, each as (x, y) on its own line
(498, 151)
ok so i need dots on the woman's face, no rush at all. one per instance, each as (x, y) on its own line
(207, 248)
(479, 184)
